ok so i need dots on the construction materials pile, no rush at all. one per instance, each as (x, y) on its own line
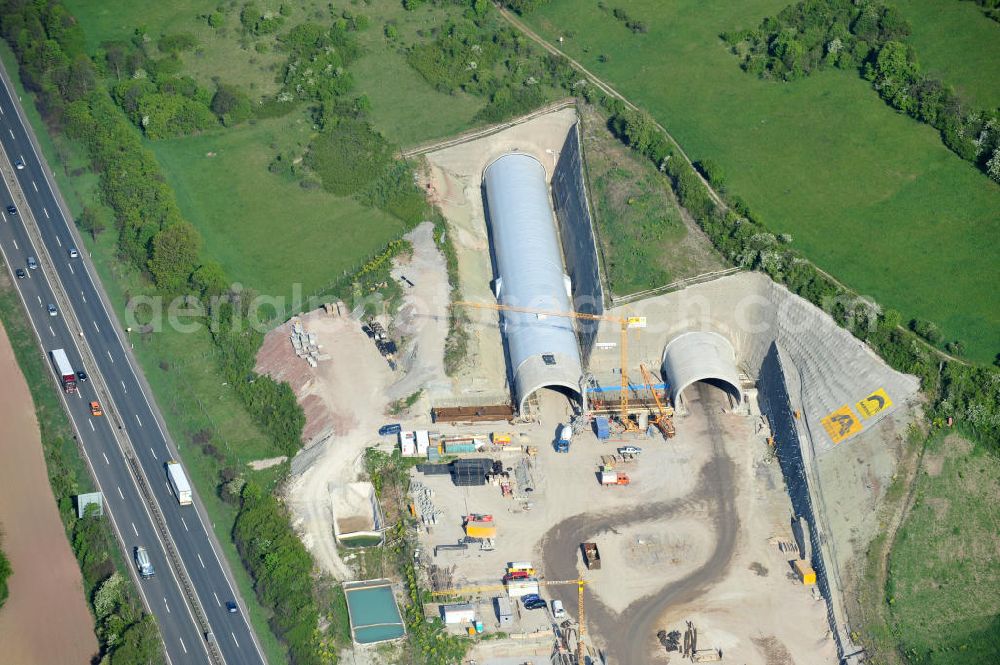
(305, 344)
(383, 342)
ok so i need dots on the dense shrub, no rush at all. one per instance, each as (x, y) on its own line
(5, 572)
(183, 41)
(282, 571)
(231, 104)
(348, 156)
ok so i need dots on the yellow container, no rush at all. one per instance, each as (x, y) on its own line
(472, 630)
(805, 572)
(502, 438)
(480, 530)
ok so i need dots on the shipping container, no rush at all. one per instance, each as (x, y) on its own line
(408, 444)
(423, 442)
(519, 588)
(805, 572)
(463, 613)
(602, 427)
(456, 447)
(502, 438)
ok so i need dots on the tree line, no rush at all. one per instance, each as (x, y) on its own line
(869, 37)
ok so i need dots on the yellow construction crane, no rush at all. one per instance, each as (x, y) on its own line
(581, 629)
(625, 322)
(664, 415)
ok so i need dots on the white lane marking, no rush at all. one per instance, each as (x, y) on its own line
(95, 326)
(1, 111)
(165, 605)
(109, 356)
(182, 645)
(120, 493)
(22, 160)
(217, 599)
(91, 423)
(123, 386)
(185, 524)
(57, 237)
(71, 268)
(35, 185)
(52, 331)
(135, 530)
(84, 299)
(46, 211)
(14, 241)
(154, 454)
(106, 460)
(39, 299)
(200, 561)
(140, 425)
(11, 132)
(234, 639)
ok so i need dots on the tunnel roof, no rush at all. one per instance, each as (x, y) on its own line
(700, 356)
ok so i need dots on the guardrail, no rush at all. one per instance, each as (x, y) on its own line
(47, 264)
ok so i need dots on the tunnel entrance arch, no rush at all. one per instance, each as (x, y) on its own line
(701, 356)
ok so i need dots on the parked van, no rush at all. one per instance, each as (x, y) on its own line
(143, 563)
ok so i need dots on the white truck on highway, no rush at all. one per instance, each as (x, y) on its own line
(66, 374)
(179, 483)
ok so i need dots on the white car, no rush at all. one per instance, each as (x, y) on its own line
(629, 450)
(558, 611)
(73, 253)
(19, 164)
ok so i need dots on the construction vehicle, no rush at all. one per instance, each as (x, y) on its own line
(610, 477)
(493, 588)
(591, 556)
(625, 323)
(66, 374)
(663, 420)
(565, 436)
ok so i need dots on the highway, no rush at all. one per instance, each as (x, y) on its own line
(130, 411)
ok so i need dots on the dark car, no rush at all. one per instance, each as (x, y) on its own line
(231, 607)
(11, 209)
(536, 605)
(386, 430)
(20, 273)
(82, 375)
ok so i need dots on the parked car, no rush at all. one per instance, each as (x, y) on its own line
(52, 310)
(11, 209)
(20, 273)
(232, 607)
(536, 605)
(629, 450)
(387, 430)
(528, 597)
(73, 253)
(82, 375)
(558, 611)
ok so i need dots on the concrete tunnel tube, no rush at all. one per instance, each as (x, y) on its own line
(543, 351)
(701, 356)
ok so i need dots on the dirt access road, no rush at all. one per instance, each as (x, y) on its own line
(45, 619)
(630, 636)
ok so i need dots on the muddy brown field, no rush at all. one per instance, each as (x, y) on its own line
(45, 619)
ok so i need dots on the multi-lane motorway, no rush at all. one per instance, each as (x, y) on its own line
(95, 343)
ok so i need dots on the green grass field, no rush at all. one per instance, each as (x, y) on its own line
(868, 194)
(958, 44)
(944, 580)
(643, 241)
(267, 231)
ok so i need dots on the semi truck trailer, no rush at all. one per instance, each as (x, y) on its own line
(66, 374)
(179, 483)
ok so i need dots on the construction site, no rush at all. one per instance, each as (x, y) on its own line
(691, 477)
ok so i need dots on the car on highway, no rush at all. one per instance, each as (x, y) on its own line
(386, 430)
(11, 209)
(95, 409)
(629, 450)
(82, 376)
(19, 163)
(232, 607)
(558, 611)
(32, 263)
(52, 310)
(73, 253)
(20, 273)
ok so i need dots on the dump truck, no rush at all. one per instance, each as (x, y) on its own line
(591, 556)
(66, 374)
(179, 483)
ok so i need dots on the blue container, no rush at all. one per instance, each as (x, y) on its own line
(602, 427)
(459, 447)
